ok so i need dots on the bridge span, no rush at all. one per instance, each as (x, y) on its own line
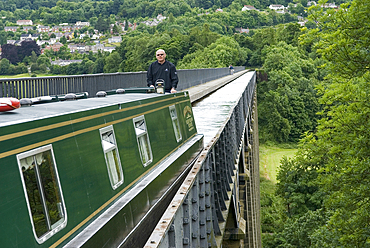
(218, 204)
(214, 202)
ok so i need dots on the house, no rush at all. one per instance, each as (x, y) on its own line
(115, 39)
(58, 36)
(24, 22)
(35, 36)
(82, 36)
(66, 28)
(151, 23)
(77, 27)
(41, 42)
(82, 23)
(160, 17)
(248, 7)
(95, 48)
(122, 25)
(132, 26)
(52, 41)
(276, 7)
(11, 28)
(219, 10)
(80, 48)
(96, 36)
(56, 28)
(12, 42)
(109, 49)
(329, 5)
(29, 37)
(61, 62)
(310, 3)
(55, 47)
(242, 30)
(24, 37)
(43, 29)
(26, 28)
(68, 35)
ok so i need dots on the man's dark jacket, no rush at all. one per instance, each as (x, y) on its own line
(166, 71)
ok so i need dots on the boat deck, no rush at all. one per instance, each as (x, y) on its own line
(44, 110)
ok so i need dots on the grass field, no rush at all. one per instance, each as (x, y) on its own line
(270, 157)
(25, 75)
(15, 76)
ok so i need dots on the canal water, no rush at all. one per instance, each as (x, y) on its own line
(211, 112)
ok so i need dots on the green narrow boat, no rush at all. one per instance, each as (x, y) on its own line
(94, 172)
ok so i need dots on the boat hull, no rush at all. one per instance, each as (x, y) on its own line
(72, 133)
(9, 104)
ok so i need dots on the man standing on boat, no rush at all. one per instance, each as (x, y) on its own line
(162, 71)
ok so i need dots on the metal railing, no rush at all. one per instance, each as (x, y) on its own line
(212, 193)
(57, 85)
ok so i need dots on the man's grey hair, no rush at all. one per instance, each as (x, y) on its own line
(160, 50)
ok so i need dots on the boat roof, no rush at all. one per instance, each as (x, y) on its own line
(51, 109)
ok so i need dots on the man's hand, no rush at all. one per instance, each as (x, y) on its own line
(173, 90)
(152, 86)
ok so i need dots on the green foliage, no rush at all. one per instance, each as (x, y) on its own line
(331, 169)
(298, 232)
(272, 210)
(287, 101)
(223, 52)
(112, 62)
(342, 38)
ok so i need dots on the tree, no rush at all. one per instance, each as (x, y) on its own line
(3, 37)
(4, 66)
(102, 24)
(339, 150)
(63, 40)
(26, 49)
(287, 101)
(343, 37)
(43, 60)
(99, 65)
(112, 62)
(222, 53)
(9, 52)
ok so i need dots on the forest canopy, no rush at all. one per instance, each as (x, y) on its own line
(325, 187)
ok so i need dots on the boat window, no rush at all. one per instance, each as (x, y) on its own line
(175, 123)
(43, 192)
(109, 144)
(143, 140)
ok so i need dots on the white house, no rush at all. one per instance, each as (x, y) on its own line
(160, 17)
(115, 39)
(248, 7)
(25, 37)
(329, 5)
(42, 29)
(109, 49)
(82, 23)
(25, 22)
(10, 28)
(41, 42)
(26, 28)
(276, 7)
(61, 62)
